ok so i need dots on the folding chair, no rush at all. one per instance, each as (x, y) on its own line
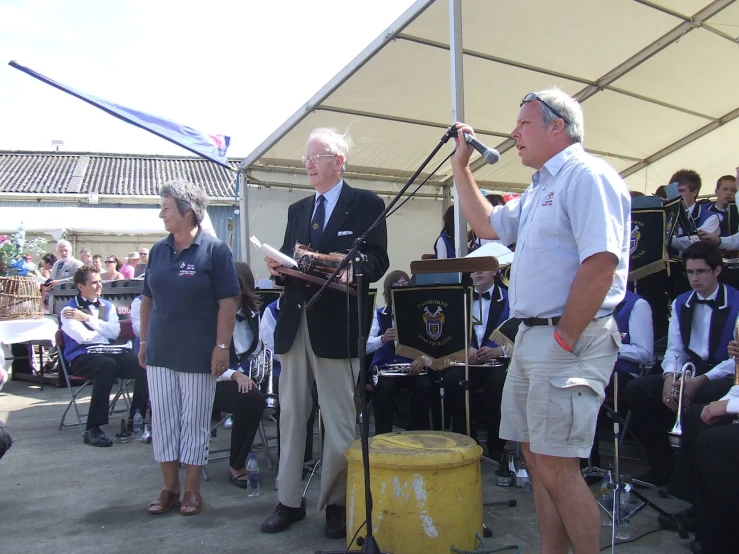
(81, 382)
(72, 381)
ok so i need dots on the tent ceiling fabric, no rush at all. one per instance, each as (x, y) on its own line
(656, 79)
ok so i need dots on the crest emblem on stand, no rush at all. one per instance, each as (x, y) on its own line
(434, 321)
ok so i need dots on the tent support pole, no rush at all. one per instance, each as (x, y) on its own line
(457, 80)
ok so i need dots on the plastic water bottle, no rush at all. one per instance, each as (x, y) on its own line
(252, 476)
(138, 425)
(623, 530)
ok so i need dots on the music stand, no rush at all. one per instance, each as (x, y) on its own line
(451, 266)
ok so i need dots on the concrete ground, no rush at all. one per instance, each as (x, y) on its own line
(59, 495)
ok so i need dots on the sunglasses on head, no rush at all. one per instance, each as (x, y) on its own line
(532, 97)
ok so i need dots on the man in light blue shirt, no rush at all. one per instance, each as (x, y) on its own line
(571, 228)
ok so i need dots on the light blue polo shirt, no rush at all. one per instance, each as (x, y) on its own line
(576, 206)
(185, 290)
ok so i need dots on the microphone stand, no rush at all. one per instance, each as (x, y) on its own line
(369, 544)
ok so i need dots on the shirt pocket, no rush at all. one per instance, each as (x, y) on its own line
(544, 227)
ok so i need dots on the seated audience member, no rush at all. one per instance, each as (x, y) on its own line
(701, 326)
(65, 266)
(97, 263)
(494, 301)
(267, 336)
(236, 393)
(143, 261)
(726, 242)
(111, 273)
(634, 319)
(86, 256)
(47, 262)
(129, 268)
(89, 325)
(381, 342)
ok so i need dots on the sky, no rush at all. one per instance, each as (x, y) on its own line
(222, 67)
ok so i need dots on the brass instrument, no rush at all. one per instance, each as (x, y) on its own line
(687, 372)
(391, 370)
(260, 369)
(316, 263)
(505, 276)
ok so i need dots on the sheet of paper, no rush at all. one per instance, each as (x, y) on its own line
(273, 253)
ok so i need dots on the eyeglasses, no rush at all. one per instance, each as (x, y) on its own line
(532, 97)
(109, 261)
(402, 283)
(697, 272)
(315, 158)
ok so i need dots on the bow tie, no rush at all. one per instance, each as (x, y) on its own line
(710, 303)
(85, 303)
(485, 295)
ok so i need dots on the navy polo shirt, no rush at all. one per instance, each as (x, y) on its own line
(185, 290)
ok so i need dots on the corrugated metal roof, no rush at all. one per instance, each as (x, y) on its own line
(108, 174)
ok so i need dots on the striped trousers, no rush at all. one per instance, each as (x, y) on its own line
(181, 406)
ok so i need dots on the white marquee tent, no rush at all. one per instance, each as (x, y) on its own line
(657, 79)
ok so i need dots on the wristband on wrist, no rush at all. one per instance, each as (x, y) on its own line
(142, 342)
(560, 342)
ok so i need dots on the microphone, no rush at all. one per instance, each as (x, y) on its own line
(491, 155)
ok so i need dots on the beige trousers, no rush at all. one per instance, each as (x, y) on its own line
(336, 400)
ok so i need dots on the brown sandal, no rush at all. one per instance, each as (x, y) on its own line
(192, 503)
(164, 502)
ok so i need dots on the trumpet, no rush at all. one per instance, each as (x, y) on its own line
(687, 372)
(260, 369)
(391, 370)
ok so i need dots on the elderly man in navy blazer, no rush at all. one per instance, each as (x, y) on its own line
(322, 342)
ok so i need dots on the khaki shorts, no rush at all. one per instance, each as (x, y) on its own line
(552, 397)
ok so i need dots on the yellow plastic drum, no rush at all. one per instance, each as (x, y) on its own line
(426, 490)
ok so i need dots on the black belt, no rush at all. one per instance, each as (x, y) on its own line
(551, 321)
(540, 321)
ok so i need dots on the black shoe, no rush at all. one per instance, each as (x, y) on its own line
(283, 517)
(696, 547)
(95, 437)
(335, 521)
(686, 517)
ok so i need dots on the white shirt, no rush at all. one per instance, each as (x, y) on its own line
(242, 339)
(576, 206)
(102, 332)
(441, 250)
(479, 330)
(733, 397)
(374, 341)
(641, 332)
(711, 225)
(136, 316)
(330, 197)
(267, 331)
(730, 243)
(698, 340)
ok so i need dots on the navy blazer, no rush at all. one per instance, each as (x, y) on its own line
(330, 326)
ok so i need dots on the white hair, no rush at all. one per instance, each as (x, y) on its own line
(568, 107)
(62, 243)
(335, 142)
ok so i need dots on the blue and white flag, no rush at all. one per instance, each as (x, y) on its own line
(211, 147)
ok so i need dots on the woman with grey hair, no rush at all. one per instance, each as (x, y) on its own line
(188, 310)
(65, 267)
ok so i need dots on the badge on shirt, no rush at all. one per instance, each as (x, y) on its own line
(187, 270)
(548, 200)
